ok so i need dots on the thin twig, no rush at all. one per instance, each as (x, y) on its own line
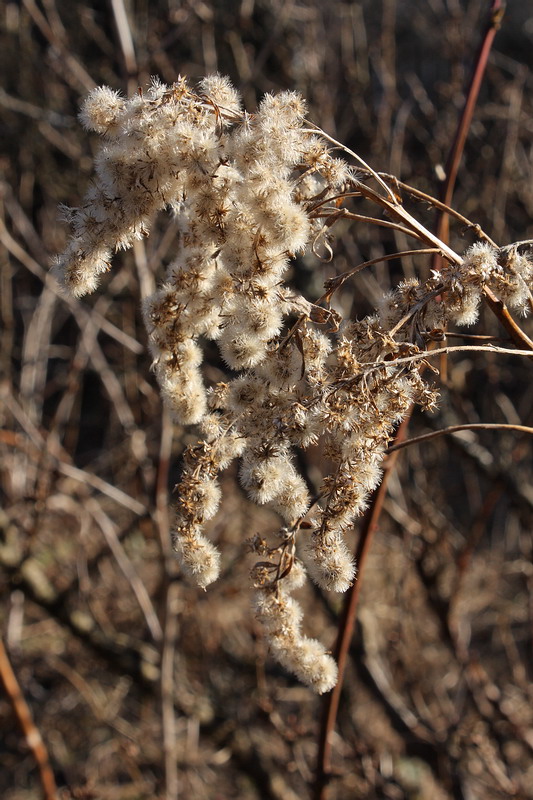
(128, 570)
(64, 467)
(475, 337)
(32, 734)
(171, 605)
(336, 282)
(500, 310)
(440, 206)
(315, 129)
(347, 622)
(424, 354)
(456, 153)
(454, 428)
(335, 214)
(398, 212)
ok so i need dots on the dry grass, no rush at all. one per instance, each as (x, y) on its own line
(115, 655)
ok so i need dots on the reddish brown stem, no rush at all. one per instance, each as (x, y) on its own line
(499, 309)
(347, 622)
(31, 732)
(371, 520)
(497, 10)
(483, 426)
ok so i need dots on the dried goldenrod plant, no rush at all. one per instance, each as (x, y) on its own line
(250, 192)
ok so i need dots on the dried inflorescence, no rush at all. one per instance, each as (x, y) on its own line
(247, 191)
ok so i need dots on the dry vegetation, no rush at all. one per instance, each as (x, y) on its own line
(127, 669)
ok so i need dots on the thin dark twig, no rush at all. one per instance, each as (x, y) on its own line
(335, 214)
(497, 10)
(443, 208)
(339, 280)
(488, 426)
(499, 309)
(347, 623)
(22, 712)
(475, 337)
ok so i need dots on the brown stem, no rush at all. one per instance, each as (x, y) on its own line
(336, 282)
(499, 309)
(497, 10)
(332, 215)
(475, 337)
(445, 210)
(396, 211)
(347, 623)
(486, 426)
(418, 194)
(170, 610)
(31, 732)
(456, 153)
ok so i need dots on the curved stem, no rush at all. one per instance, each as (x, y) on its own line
(23, 714)
(442, 207)
(320, 132)
(484, 426)
(347, 622)
(336, 282)
(499, 309)
(398, 212)
(334, 214)
(497, 10)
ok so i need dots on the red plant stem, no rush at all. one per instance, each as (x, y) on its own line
(473, 426)
(347, 621)
(499, 309)
(371, 519)
(497, 10)
(22, 712)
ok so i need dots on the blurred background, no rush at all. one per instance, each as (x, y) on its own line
(141, 686)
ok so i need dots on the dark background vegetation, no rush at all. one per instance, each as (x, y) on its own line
(120, 661)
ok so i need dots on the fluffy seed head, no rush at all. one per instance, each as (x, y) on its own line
(199, 558)
(329, 563)
(101, 110)
(242, 189)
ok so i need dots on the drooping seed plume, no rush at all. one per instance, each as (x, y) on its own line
(251, 192)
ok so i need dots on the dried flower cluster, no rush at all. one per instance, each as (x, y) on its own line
(251, 192)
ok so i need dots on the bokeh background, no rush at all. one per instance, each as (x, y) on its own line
(135, 679)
